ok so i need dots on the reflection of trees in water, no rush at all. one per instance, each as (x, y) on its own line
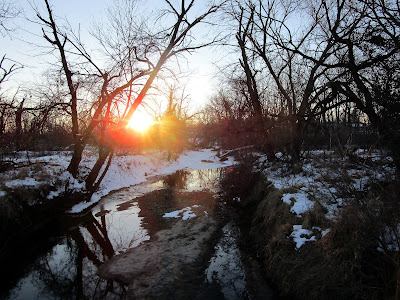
(183, 189)
(226, 266)
(153, 205)
(200, 179)
(97, 245)
(54, 274)
(69, 270)
(209, 178)
(176, 180)
(95, 248)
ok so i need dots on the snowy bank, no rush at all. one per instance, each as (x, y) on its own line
(125, 170)
(316, 231)
(134, 169)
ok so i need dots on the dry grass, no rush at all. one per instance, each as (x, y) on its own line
(344, 264)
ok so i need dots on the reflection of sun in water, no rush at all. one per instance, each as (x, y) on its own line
(140, 121)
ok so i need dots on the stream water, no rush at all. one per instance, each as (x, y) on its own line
(125, 220)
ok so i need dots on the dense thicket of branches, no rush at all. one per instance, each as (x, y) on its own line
(304, 65)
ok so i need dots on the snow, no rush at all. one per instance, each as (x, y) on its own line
(186, 212)
(301, 236)
(320, 169)
(301, 202)
(332, 181)
(325, 232)
(19, 182)
(390, 239)
(174, 214)
(325, 177)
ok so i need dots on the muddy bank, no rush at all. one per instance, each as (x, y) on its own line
(173, 257)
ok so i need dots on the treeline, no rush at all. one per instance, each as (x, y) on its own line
(37, 128)
(311, 68)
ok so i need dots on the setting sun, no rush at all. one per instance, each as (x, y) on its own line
(140, 121)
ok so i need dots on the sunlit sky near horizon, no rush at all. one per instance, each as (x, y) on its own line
(199, 84)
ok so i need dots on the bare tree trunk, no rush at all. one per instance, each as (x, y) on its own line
(251, 83)
(94, 172)
(75, 159)
(3, 120)
(297, 138)
(96, 185)
(18, 125)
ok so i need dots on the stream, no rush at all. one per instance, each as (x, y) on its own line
(170, 237)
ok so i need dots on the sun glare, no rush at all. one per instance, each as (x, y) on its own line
(140, 121)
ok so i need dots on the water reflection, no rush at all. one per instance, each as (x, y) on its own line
(226, 267)
(68, 271)
(120, 221)
(207, 179)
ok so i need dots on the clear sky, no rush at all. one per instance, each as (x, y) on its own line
(84, 13)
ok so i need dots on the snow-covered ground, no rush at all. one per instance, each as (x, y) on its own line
(125, 170)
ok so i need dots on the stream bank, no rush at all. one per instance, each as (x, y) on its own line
(340, 263)
(172, 237)
(171, 266)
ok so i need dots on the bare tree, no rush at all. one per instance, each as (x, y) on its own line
(141, 56)
(242, 36)
(325, 64)
(367, 36)
(8, 11)
(300, 82)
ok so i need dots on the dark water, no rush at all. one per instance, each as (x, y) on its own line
(120, 221)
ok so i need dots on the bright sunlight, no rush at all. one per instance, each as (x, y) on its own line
(140, 121)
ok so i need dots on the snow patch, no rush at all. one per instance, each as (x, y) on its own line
(390, 239)
(301, 236)
(325, 232)
(186, 212)
(301, 202)
(22, 182)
